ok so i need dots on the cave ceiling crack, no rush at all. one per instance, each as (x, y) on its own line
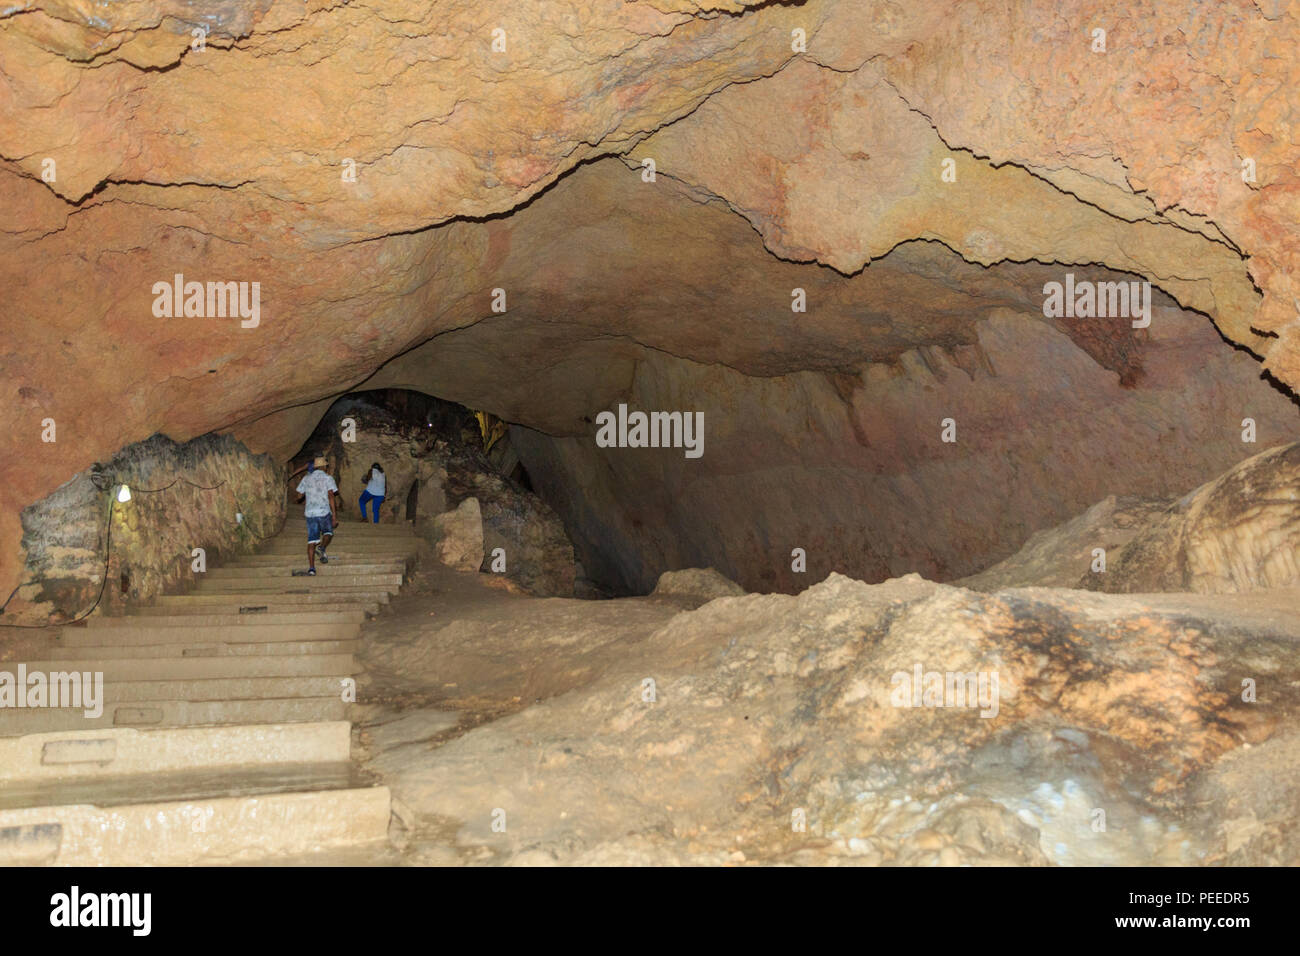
(1161, 219)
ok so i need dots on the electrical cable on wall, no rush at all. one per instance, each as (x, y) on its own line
(103, 583)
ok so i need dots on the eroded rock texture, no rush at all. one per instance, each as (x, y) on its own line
(131, 152)
(210, 495)
(852, 467)
(1239, 533)
(902, 723)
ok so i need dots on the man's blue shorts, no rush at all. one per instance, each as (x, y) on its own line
(317, 527)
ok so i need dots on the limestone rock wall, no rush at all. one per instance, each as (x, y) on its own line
(852, 468)
(183, 496)
(524, 531)
(1238, 533)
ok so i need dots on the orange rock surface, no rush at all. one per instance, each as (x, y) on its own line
(373, 169)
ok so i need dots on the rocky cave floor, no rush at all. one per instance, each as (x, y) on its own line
(1121, 735)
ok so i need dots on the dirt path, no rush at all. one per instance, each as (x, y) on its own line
(462, 641)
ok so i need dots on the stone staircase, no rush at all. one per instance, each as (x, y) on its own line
(223, 734)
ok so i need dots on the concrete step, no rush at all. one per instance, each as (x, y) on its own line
(345, 539)
(173, 713)
(187, 784)
(200, 617)
(295, 545)
(392, 542)
(108, 752)
(248, 601)
(297, 522)
(142, 631)
(206, 649)
(325, 578)
(289, 565)
(279, 604)
(390, 564)
(227, 688)
(298, 559)
(395, 543)
(198, 829)
(299, 536)
(198, 668)
(352, 552)
(221, 612)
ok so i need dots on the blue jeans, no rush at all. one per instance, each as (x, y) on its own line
(377, 499)
(316, 527)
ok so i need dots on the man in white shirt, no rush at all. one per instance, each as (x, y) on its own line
(318, 489)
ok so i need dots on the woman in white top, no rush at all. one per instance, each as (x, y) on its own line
(375, 488)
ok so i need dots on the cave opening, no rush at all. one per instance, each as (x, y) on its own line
(413, 502)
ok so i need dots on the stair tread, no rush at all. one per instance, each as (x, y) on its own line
(199, 621)
(190, 650)
(205, 689)
(247, 632)
(249, 645)
(194, 785)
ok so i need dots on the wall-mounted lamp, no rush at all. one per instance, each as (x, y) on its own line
(124, 494)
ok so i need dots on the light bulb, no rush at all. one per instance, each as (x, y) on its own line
(124, 494)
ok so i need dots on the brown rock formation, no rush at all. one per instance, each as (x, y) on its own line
(459, 535)
(691, 737)
(210, 494)
(1240, 532)
(852, 467)
(695, 586)
(448, 488)
(132, 150)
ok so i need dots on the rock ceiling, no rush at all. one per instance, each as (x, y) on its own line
(380, 169)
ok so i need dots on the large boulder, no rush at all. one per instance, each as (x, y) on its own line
(460, 536)
(1240, 532)
(696, 586)
(518, 527)
(1055, 557)
(1237, 533)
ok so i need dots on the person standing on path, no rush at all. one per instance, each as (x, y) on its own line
(376, 485)
(319, 490)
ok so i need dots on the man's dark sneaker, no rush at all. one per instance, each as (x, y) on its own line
(321, 556)
(311, 572)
